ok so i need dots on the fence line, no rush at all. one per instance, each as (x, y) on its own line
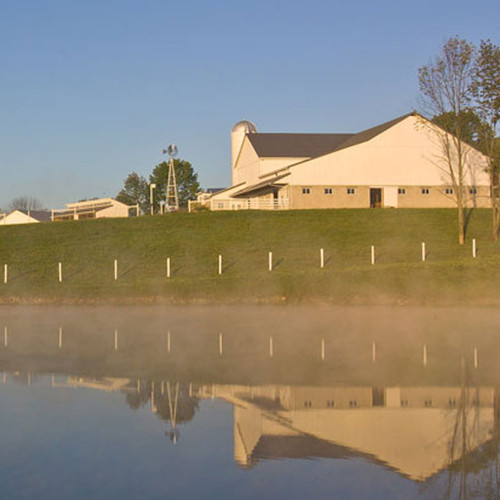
(271, 263)
(423, 348)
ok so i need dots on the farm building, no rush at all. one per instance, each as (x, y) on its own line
(25, 217)
(94, 209)
(399, 163)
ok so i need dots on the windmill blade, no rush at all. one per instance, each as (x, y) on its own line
(172, 150)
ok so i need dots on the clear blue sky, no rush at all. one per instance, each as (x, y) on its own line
(91, 90)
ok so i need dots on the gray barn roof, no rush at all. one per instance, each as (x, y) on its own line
(295, 145)
(39, 215)
(313, 145)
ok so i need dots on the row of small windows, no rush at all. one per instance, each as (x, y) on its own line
(330, 403)
(428, 403)
(447, 191)
(401, 191)
(307, 190)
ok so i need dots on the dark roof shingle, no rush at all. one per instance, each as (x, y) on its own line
(295, 145)
(313, 145)
(39, 215)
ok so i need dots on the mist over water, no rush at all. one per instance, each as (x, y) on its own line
(244, 402)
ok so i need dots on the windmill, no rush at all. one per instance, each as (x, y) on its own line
(172, 198)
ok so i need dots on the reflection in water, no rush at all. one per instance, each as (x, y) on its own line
(172, 403)
(436, 423)
(416, 431)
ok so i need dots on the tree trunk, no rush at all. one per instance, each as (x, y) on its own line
(461, 223)
(496, 221)
(495, 209)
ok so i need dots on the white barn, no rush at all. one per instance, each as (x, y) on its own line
(399, 163)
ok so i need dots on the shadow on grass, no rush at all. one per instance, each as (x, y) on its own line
(128, 270)
(467, 217)
(278, 262)
(74, 273)
(16, 276)
(229, 266)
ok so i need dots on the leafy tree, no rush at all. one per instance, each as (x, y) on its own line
(26, 203)
(445, 87)
(186, 178)
(485, 88)
(135, 192)
(471, 125)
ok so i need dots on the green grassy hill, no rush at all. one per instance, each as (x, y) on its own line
(193, 242)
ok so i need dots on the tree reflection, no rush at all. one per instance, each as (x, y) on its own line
(473, 471)
(172, 402)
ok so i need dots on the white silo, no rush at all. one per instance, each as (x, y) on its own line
(238, 133)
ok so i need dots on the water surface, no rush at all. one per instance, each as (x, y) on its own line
(247, 402)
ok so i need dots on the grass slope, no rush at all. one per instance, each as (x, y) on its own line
(87, 250)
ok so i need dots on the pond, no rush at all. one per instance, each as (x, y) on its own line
(249, 402)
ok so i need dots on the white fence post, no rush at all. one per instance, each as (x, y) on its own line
(220, 264)
(5, 273)
(271, 347)
(60, 337)
(374, 352)
(168, 341)
(475, 358)
(116, 339)
(60, 272)
(270, 263)
(373, 255)
(321, 258)
(116, 269)
(424, 355)
(220, 344)
(474, 248)
(168, 267)
(423, 251)
(5, 336)
(323, 349)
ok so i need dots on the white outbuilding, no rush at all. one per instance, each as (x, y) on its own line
(400, 164)
(94, 209)
(25, 217)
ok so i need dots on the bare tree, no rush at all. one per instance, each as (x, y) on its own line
(486, 91)
(445, 86)
(26, 203)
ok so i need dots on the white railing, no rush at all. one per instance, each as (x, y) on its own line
(250, 204)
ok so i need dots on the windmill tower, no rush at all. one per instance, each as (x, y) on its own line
(172, 198)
